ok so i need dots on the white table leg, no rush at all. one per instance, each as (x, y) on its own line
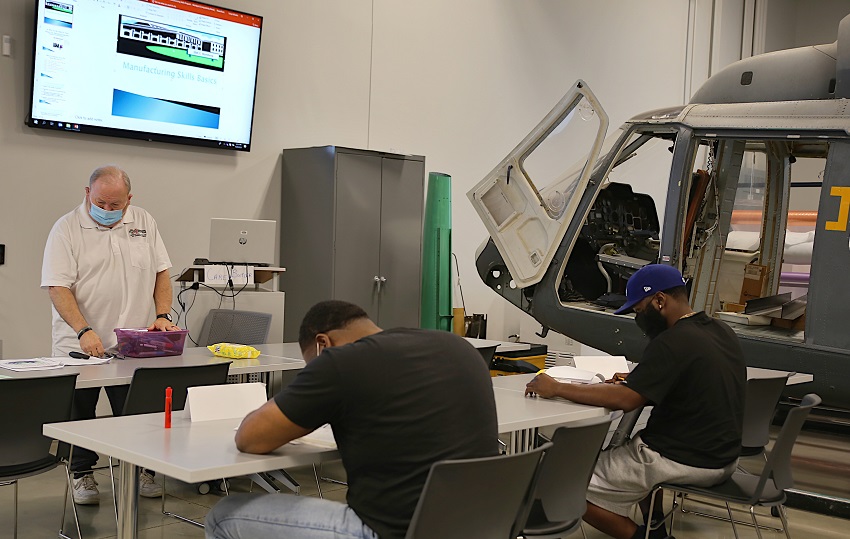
(128, 505)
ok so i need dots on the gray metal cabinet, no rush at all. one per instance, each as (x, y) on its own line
(351, 229)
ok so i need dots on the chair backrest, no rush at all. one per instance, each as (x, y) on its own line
(27, 404)
(238, 327)
(480, 497)
(147, 390)
(759, 407)
(566, 469)
(487, 352)
(625, 427)
(778, 465)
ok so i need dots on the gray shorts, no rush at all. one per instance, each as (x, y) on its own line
(627, 474)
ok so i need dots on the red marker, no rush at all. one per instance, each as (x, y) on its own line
(168, 407)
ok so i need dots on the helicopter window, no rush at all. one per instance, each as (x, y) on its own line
(621, 232)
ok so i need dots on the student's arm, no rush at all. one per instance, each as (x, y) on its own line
(265, 429)
(611, 396)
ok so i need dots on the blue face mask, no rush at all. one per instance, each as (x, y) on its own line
(105, 217)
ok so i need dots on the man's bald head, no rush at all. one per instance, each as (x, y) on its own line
(110, 173)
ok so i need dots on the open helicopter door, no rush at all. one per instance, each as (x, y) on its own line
(528, 200)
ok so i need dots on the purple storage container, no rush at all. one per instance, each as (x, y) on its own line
(139, 342)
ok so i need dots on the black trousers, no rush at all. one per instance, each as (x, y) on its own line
(85, 403)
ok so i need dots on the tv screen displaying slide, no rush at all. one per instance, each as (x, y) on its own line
(165, 70)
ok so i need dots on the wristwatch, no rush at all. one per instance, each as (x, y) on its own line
(167, 316)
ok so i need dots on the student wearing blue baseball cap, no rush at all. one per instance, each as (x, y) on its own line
(693, 374)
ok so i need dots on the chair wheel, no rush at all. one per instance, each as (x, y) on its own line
(223, 485)
(204, 488)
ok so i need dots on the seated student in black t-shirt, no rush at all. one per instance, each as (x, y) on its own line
(397, 401)
(693, 373)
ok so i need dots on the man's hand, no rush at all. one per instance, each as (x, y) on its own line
(542, 385)
(162, 324)
(618, 377)
(91, 344)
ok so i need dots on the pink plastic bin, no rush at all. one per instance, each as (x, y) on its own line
(139, 342)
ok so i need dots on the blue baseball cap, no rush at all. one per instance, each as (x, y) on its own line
(647, 281)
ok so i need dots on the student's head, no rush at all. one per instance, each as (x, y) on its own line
(658, 297)
(332, 323)
(108, 195)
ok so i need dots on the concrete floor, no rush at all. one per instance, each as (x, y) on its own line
(40, 507)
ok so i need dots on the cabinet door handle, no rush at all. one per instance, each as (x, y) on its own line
(383, 279)
(378, 283)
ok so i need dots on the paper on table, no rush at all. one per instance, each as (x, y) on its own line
(321, 437)
(227, 401)
(607, 366)
(74, 362)
(565, 373)
(35, 364)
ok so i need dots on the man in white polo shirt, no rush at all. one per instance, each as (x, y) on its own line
(105, 267)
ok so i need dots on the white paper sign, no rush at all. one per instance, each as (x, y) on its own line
(227, 401)
(218, 274)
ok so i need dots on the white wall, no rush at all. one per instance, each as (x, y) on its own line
(313, 89)
(459, 82)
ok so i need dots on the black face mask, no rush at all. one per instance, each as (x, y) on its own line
(650, 321)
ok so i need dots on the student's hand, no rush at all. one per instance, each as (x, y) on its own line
(618, 377)
(162, 324)
(91, 344)
(542, 385)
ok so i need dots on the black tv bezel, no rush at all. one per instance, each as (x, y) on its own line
(115, 132)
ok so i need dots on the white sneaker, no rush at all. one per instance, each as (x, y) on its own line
(148, 488)
(85, 490)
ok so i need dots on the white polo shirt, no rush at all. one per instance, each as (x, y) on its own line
(110, 271)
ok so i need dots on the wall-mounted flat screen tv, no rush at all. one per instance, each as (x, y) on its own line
(164, 70)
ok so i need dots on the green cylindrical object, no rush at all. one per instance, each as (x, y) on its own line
(437, 254)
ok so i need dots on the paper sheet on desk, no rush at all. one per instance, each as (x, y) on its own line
(607, 366)
(76, 362)
(565, 373)
(35, 364)
(321, 437)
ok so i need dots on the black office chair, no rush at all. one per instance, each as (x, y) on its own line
(240, 327)
(765, 489)
(559, 498)
(482, 497)
(147, 389)
(147, 395)
(29, 403)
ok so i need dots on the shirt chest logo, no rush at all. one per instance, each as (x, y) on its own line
(138, 233)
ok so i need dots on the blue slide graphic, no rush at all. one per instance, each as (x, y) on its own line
(131, 105)
(57, 22)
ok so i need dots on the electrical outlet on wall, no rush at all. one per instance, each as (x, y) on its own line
(7, 46)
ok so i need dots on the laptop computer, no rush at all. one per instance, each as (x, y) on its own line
(242, 241)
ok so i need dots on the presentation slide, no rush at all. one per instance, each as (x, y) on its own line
(168, 67)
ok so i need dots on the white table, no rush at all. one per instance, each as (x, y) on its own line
(205, 451)
(120, 371)
(501, 346)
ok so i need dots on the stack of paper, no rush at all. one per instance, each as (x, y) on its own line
(321, 437)
(572, 375)
(607, 366)
(75, 362)
(35, 364)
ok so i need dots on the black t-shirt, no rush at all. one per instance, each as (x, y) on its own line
(397, 401)
(694, 374)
